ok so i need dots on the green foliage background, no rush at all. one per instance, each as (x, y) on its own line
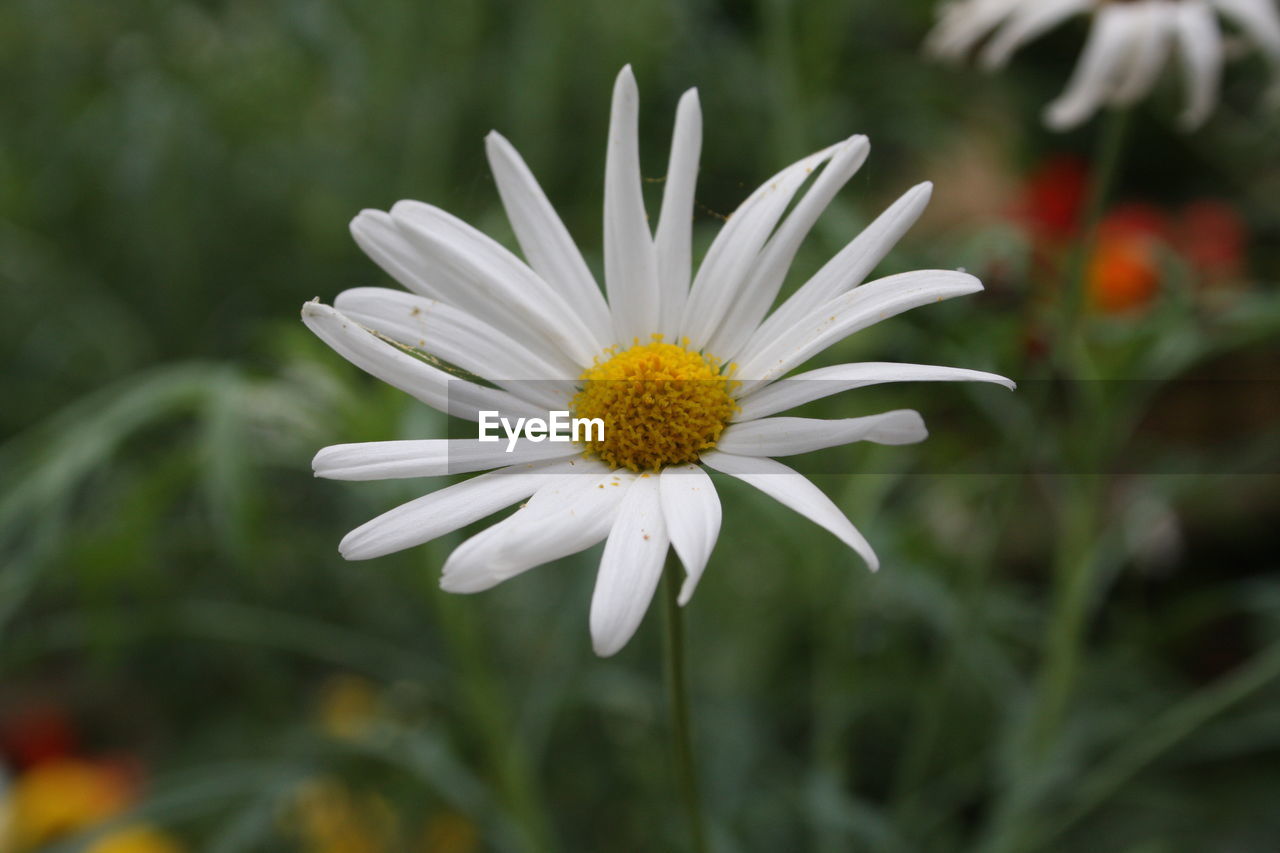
(176, 179)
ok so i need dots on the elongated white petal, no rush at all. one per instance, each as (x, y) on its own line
(1260, 21)
(1200, 49)
(961, 25)
(630, 264)
(794, 491)
(630, 567)
(543, 238)
(568, 514)
(757, 294)
(432, 457)
(674, 236)
(1149, 50)
(1029, 21)
(861, 307)
(814, 385)
(691, 509)
(481, 269)
(789, 436)
(1111, 37)
(847, 269)
(444, 511)
(413, 376)
(377, 235)
(733, 253)
(457, 338)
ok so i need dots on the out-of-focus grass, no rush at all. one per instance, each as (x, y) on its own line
(175, 179)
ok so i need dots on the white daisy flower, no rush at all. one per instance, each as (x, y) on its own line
(684, 373)
(1129, 43)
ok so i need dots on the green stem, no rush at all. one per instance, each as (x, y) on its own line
(1105, 167)
(1074, 575)
(1075, 558)
(677, 690)
(1162, 733)
(483, 693)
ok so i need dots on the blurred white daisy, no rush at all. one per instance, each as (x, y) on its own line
(1129, 44)
(683, 373)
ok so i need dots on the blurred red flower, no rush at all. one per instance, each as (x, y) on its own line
(1212, 237)
(38, 732)
(1052, 198)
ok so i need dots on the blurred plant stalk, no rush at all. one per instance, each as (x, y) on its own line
(1080, 520)
(507, 755)
(1071, 348)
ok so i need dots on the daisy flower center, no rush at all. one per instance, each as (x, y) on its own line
(661, 404)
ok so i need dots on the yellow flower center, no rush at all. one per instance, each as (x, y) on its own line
(661, 404)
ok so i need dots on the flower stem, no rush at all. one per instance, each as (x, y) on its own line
(677, 691)
(1105, 167)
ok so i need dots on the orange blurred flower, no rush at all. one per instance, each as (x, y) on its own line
(1124, 271)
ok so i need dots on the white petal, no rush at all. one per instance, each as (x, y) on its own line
(963, 24)
(793, 491)
(630, 567)
(1031, 20)
(789, 436)
(691, 510)
(847, 269)
(1260, 21)
(457, 338)
(674, 236)
(630, 265)
(446, 510)
(482, 272)
(825, 381)
(1200, 49)
(377, 235)
(569, 514)
(1114, 29)
(861, 307)
(1148, 53)
(413, 376)
(543, 238)
(732, 255)
(757, 294)
(432, 457)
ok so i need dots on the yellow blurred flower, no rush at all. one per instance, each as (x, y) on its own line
(331, 820)
(139, 838)
(61, 797)
(450, 833)
(348, 706)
